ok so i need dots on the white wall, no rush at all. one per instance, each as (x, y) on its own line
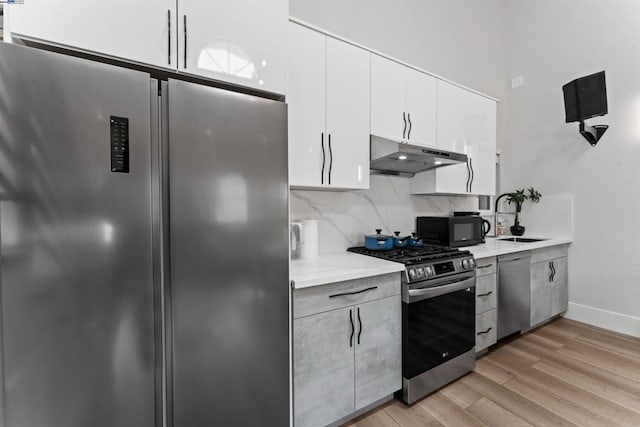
(551, 42)
(461, 40)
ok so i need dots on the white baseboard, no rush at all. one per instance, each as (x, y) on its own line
(613, 321)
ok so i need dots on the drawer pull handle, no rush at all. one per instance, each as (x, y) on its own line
(485, 295)
(485, 332)
(485, 266)
(353, 293)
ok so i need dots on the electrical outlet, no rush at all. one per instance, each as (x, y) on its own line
(517, 82)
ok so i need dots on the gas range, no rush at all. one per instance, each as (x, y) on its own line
(438, 316)
(425, 263)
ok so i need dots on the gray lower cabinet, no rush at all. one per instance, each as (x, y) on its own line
(349, 357)
(549, 285)
(323, 368)
(540, 293)
(486, 303)
(560, 286)
(378, 350)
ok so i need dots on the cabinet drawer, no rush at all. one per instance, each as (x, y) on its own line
(547, 254)
(485, 266)
(319, 299)
(486, 293)
(486, 325)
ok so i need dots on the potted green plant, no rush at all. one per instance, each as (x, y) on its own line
(518, 198)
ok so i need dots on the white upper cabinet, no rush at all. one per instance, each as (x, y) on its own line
(421, 108)
(348, 100)
(237, 41)
(403, 103)
(466, 123)
(136, 30)
(328, 97)
(306, 98)
(388, 100)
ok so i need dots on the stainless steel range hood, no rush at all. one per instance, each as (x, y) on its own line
(394, 157)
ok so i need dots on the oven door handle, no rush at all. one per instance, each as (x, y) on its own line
(426, 293)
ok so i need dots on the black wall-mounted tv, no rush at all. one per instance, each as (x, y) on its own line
(585, 98)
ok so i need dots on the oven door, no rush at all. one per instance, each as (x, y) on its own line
(438, 324)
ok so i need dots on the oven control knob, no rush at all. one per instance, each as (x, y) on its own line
(465, 263)
(421, 273)
(472, 262)
(412, 274)
(430, 271)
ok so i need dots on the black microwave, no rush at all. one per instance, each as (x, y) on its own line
(452, 231)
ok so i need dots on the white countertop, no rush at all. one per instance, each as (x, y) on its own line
(337, 267)
(495, 247)
(341, 266)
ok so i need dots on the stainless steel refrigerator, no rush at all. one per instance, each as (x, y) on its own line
(144, 249)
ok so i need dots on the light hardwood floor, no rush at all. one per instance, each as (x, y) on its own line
(562, 374)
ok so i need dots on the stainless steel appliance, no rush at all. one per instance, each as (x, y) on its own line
(394, 157)
(144, 248)
(438, 316)
(451, 231)
(513, 293)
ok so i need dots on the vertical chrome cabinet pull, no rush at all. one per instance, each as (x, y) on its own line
(472, 175)
(169, 34)
(323, 157)
(404, 129)
(330, 159)
(410, 126)
(352, 328)
(185, 42)
(359, 325)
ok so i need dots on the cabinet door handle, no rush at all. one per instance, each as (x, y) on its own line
(323, 157)
(410, 126)
(330, 159)
(472, 175)
(352, 328)
(485, 295)
(553, 271)
(359, 326)
(550, 271)
(484, 332)
(404, 119)
(185, 42)
(169, 35)
(468, 176)
(353, 293)
(485, 266)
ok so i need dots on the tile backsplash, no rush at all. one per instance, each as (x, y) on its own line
(345, 217)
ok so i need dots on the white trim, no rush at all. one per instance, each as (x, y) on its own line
(384, 55)
(622, 323)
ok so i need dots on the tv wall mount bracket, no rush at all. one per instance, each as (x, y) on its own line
(592, 133)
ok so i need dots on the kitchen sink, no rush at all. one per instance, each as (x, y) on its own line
(521, 239)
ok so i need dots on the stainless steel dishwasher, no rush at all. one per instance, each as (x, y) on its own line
(513, 293)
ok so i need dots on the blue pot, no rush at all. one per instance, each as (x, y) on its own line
(378, 242)
(415, 242)
(400, 242)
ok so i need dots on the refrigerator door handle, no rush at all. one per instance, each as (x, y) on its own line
(169, 35)
(185, 42)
